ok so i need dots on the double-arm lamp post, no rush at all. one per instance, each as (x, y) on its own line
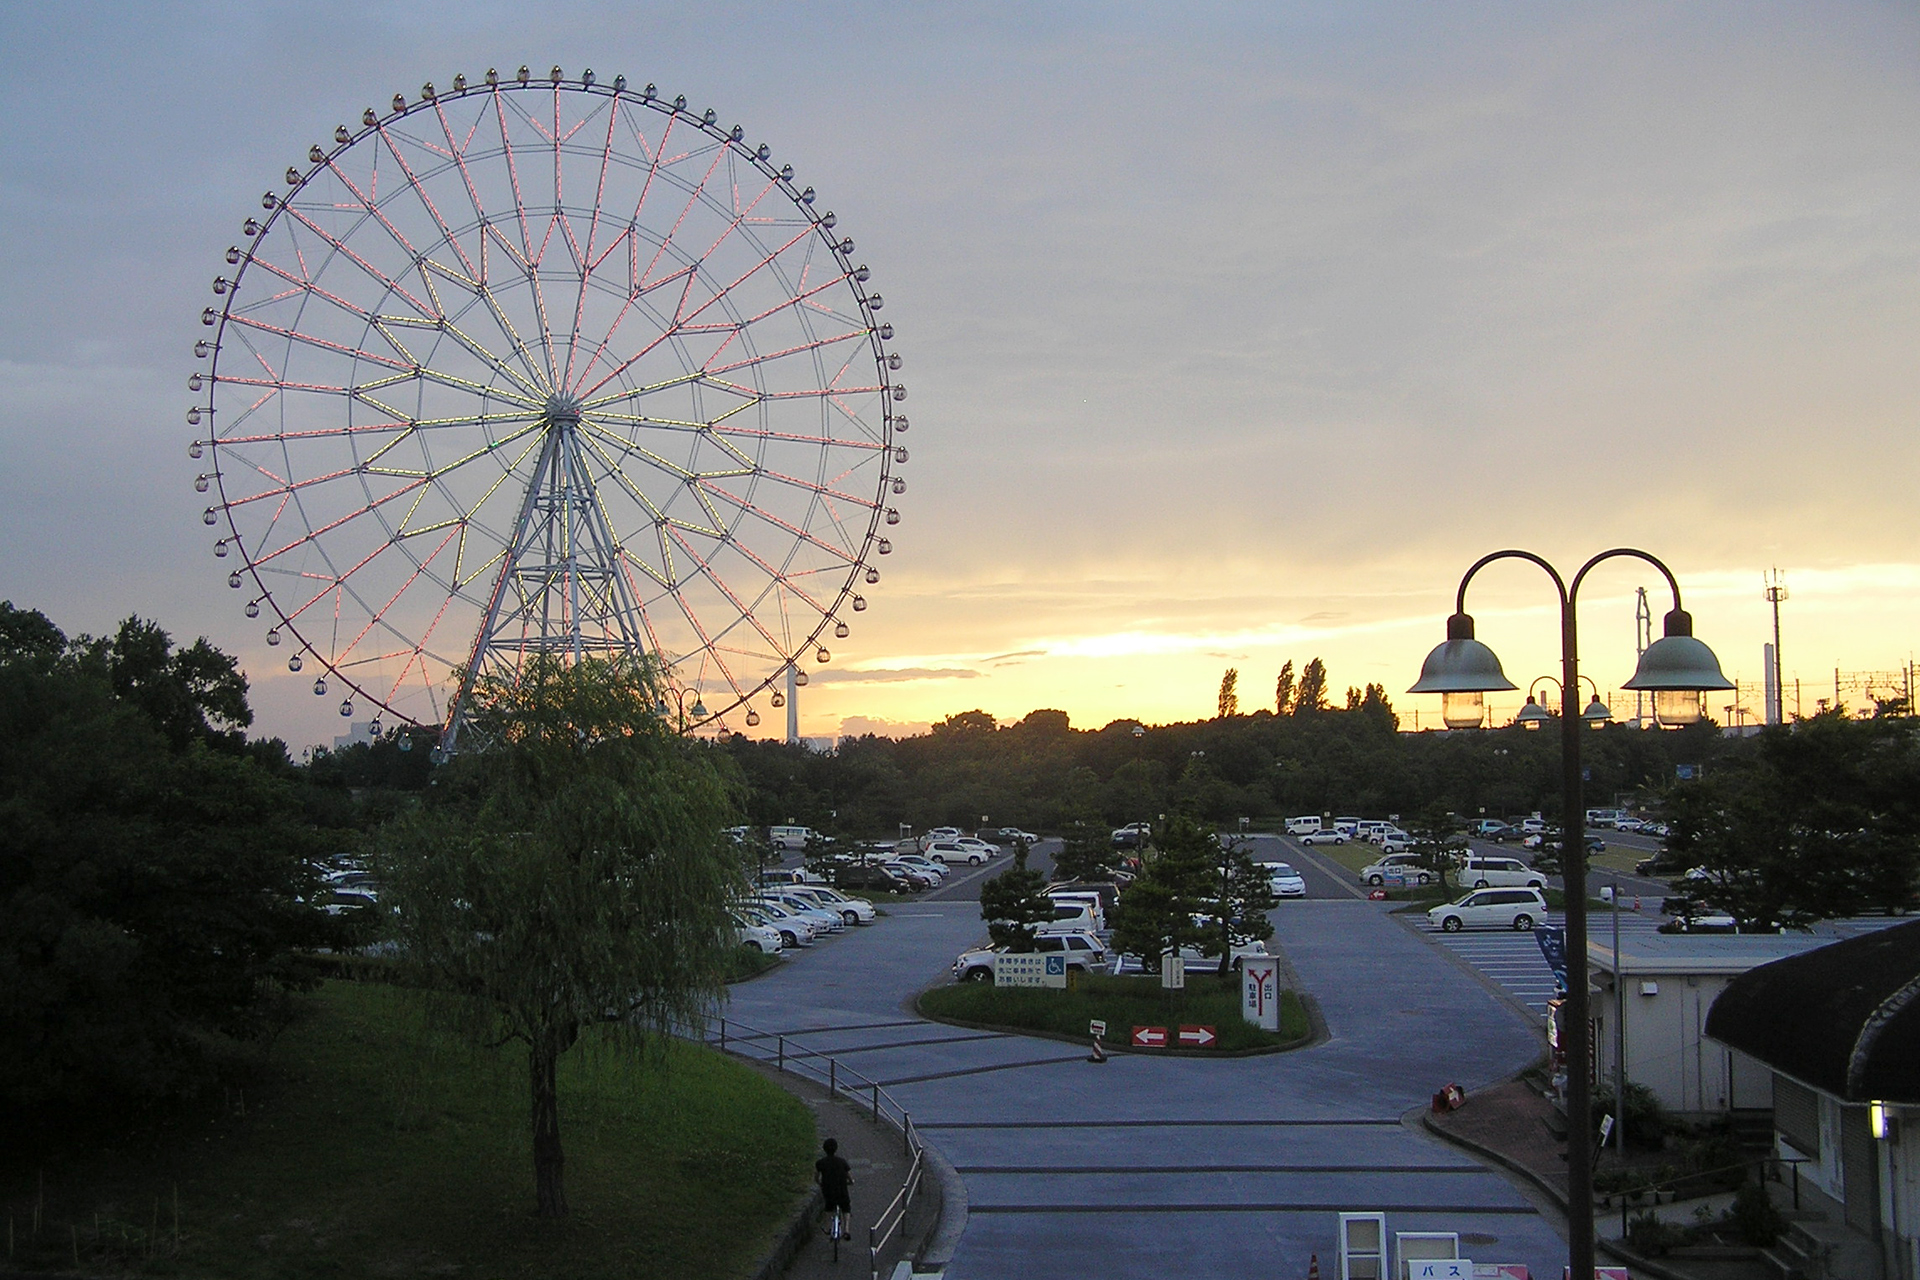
(1676, 670)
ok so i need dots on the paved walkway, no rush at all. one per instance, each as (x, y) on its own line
(1154, 1167)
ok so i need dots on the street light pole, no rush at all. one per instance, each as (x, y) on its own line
(1675, 669)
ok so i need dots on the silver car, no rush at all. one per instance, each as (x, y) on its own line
(1491, 909)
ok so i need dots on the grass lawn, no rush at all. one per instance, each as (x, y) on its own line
(1122, 1003)
(377, 1145)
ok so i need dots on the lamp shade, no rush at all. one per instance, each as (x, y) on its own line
(1598, 714)
(1461, 664)
(1677, 661)
(1533, 715)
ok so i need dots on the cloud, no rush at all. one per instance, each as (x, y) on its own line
(895, 675)
(861, 726)
(1018, 653)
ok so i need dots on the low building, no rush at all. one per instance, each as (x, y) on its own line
(1839, 1029)
(1668, 983)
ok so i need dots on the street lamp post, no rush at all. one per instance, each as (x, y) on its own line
(673, 700)
(1675, 669)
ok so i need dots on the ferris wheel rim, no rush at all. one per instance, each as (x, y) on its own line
(728, 142)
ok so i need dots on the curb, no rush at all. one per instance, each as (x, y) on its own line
(937, 1250)
(1612, 1249)
(799, 1230)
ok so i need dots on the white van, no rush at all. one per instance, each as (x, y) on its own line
(1606, 817)
(788, 837)
(1371, 829)
(1303, 826)
(1499, 873)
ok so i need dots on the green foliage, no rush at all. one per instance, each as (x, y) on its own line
(1439, 841)
(1283, 690)
(1177, 881)
(573, 868)
(1230, 693)
(1013, 902)
(1087, 852)
(1814, 820)
(1310, 697)
(1241, 898)
(1646, 1118)
(154, 877)
(1121, 1002)
(375, 1143)
(1753, 1216)
(1648, 1234)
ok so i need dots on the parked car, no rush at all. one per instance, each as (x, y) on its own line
(1087, 899)
(1197, 960)
(878, 877)
(788, 837)
(1491, 909)
(949, 852)
(1407, 864)
(806, 909)
(1106, 891)
(791, 875)
(1006, 836)
(1304, 825)
(974, 842)
(1349, 825)
(852, 911)
(758, 936)
(1084, 951)
(1284, 881)
(1499, 873)
(1332, 835)
(1133, 836)
(922, 863)
(1399, 842)
(1072, 915)
(793, 930)
(1490, 829)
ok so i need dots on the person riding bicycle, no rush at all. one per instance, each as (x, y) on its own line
(834, 1176)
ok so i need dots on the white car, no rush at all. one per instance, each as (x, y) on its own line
(1499, 873)
(1406, 864)
(1284, 881)
(922, 863)
(971, 842)
(758, 936)
(1195, 959)
(851, 910)
(1334, 836)
(829, 921)
(1491, 909)
(950, 852)
(794, 931)
(1084, 951)
(1014, 834)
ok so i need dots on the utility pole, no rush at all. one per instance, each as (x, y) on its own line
(1776, 592)
(1642, 637)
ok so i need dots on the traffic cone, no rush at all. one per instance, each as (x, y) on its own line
(1313, 1268)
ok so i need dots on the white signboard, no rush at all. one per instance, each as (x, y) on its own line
(1030, 970)
(1173, 972)
(1260, 991)
(1439, 1269)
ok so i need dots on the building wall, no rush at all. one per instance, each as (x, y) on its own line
(1667, 1049)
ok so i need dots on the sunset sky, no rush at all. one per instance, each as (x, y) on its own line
(1235, 332)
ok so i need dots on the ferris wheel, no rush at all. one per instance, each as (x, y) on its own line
(539, 364)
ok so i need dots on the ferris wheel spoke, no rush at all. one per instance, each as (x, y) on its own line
(375, 616)
(419, 190)
(328, 345)
(775, 580)
(313, 535)
(340, 248)
(784, 525)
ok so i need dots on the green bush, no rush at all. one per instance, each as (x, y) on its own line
(1647, 1234)
(1122, 1003)
(1754, 1217)
(1646, 1118)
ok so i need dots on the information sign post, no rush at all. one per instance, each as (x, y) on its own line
(1260, 991)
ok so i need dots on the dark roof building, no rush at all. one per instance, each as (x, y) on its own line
(1843, 1019)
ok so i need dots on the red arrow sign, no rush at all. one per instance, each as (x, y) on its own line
(1150, 1037)
(1197, 1038)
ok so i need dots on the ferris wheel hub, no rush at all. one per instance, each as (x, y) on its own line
(561, 410)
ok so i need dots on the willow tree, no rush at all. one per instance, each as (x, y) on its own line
(571, 872)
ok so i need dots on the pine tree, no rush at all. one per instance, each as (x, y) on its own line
(1283, 690)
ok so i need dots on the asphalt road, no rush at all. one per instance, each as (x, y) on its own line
(1150, 1167)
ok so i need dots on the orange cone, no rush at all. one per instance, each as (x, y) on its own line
(1313, 1268)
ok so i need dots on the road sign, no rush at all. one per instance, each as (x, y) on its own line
(1197, 1038)
(1260, 991)
(1150, 1037)
(1030, 970)
(1439, 1269)
(1173, 972)
(1096, 1028)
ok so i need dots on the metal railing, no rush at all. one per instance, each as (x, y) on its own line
(788, 1054)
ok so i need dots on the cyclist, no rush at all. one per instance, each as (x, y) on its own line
(834, 1176)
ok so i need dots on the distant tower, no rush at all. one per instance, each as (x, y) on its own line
(1642, 637)
(1776, 592)
(793, 705)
